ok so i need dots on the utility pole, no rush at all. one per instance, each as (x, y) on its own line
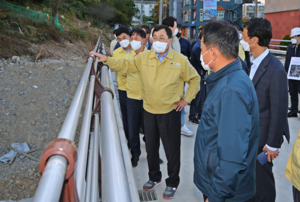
(141, 13)
(160, 11)
(256, 8)
(165, 8)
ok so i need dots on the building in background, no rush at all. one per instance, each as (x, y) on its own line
(175, 10)
(249, 10)
(147, 10)
(283, 15)
(192, 14)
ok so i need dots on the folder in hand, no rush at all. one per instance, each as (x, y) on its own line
(263, 157)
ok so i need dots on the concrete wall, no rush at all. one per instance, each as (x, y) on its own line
(281, 5)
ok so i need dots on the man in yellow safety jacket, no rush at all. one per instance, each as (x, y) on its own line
(163, 72)
(122, 34)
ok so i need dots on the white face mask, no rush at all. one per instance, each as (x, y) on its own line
(294, 41)
(205, 66)
(124, 43)
(160, 47)
(135, 45)
(249, 44)
(175, 32)
(240, 36)
(151, 37)
(245, 45)
(115, 36)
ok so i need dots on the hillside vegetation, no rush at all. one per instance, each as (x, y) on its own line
(64, 20)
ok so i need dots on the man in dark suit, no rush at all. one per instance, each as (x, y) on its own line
(147, 31)
(197, 103)
(270, 82)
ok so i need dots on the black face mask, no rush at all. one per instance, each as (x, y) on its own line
(178, 35)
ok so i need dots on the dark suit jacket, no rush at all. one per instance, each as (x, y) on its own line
(244, 66)
(117, 46)
(270, 82)
(150, 45)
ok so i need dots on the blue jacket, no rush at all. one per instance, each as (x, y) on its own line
(117, 46)
(227, 137)
(185, 46)
(195, 59)
(245, 67)
(149, 45)
(194, 43)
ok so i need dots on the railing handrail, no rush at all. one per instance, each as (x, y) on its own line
(51, 183)
(114, 171)
(279, 40)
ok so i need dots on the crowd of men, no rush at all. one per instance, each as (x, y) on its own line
(239, 101)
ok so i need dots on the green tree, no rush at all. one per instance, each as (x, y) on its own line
(124, 11)
(155, 11)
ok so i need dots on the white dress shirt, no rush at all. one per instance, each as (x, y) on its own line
(255, 64)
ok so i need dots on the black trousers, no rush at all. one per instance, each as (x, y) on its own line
(166, 127)
(197, 103)
(296, 194)
(135, 114)
(294, 88)
(265, 183)
(123, 105)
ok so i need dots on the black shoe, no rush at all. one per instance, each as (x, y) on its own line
(290, 114)
(134, 161)
(161, 161)
(194, 121)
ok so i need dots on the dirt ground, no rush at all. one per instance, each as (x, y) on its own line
(34, 100)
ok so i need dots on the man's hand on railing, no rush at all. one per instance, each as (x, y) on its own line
(101, 58)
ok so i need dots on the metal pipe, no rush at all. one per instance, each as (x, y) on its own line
(256, 13)
(80, 170)
(51, 183)
(114, 179)
(70, 124)
(68, 132)
(89, 171)
(95, 169)
(160, 12)
(126, 153)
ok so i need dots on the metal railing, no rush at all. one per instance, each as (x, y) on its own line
(104, 147)
(275, 43)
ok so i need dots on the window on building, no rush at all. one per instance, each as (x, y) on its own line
(261, 15)
(250, 15)
(250, 8)
(220, 15)
(261, 8)
(238, 1)
(186, 2)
